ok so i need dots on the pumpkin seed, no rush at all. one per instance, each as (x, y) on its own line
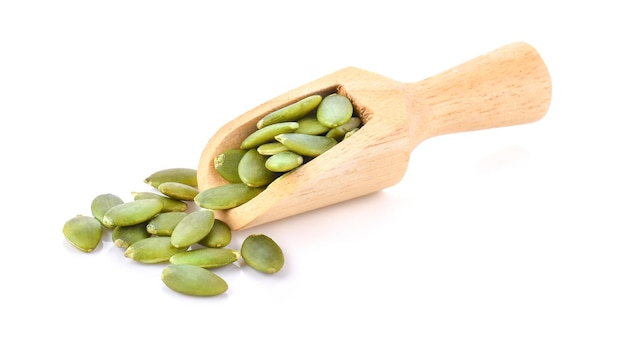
(178, 191)
(306, 145)
(262, 253)
(271, 148)
(334, 110)
(252, 170)
(226, 164)
(183, 175)
(169, 204)
(291, 112)
(124, 236)
(83, 232)
(164, 223)
(133, 212)
(102, 203)
(226, 196)
(192, 228)
(206, 257)
(284, 161)
(219, 236)
(267, 134)
(340, 131)
(311, 126)
(193, 280)
(153, 249)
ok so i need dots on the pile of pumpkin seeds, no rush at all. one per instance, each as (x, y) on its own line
(159, 226)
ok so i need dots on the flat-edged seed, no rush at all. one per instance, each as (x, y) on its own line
(226, 196)
(133, 212)
(178, 191)
(291, 112)
(219, 236)
(83, 232)
(226, 164)
(306, 145)
(284, 161)
(334, 110)
(262, 253)
(252, 170)
(169, 204)
(153, 249)
(187, 176)
(340, 131)
(193, 280)
(124, 236)
(164, 223)
(311, 126)
(192, 228)
(102, 203)
(267, 134)
(206, 257)
(269, 149)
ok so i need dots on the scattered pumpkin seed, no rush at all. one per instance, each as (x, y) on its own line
(178, 191)
(219, 236)
(169, 204)
(83, 232)
(153, 249)
(133, 212)
(193, 280)
(192, 228)
(206, 257)
(187, 176)
(102, 203)
(262, 253)
(124, 236)
(164, 223)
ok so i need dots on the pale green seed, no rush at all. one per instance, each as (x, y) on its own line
(226, 196)
(226, 164)
(124, 236)
(187, 176)
(269, 149)
(169, 204)
(192, 228)
(193, 280)
(206, 257)
(291, 112)
(219, 236)
(178, 191)
(262, 253)
(284, 161)
(153, 249)
(267, 134)
(334, 110)
(311, 126)
(340, 131)
(133, 212)
(102, 203)
(83, 232)
(164, 223)
(252, 169)
(351, 132)
(306, 145)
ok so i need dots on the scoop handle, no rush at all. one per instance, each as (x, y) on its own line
(508, 86)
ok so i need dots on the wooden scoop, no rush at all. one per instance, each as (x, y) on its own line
(507, 86)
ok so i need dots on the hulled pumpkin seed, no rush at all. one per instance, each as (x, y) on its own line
(219, 236)
(311, 126)
(124, 236)
(284, 161)
(187, 176)
(306, 145)
(340, 131)
(206, 257)
(133, 212)
(164, 223)
(153, 249)
(252, 169)
(262, 253)
(291, 112)
(226, 196)
(102, 203)
(227, 162)
(271, 148)
(178, 191)
(83, 232)
(192, 228)
(169, 204)
(267, 134)
(334, 110)
(193, 280)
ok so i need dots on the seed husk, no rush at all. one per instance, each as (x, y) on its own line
(219, 236)
(306, 145)
(187, 176)
(267, 134)
(83, 232)
(284, 161)
(192, 228)
(262, 253)
(227, 162)
(102, 203)
(291, 112)
(125, 236)
(206, 257)
(252, 170)
(226, 196)
(153, 249)
(178, 191)
(164, 223)
(169, 204)
(133, 212)
(193, 280)
(334, 110)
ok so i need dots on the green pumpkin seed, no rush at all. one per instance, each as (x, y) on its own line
(164, 223)
(262, 253)
(193, 280)
(252, 170)
(178, 191)
(182, 175)
(133, 212)
(269, 149)
(311, 126)
(340, 131)
(83, 232)
(284, 161)
(154, 249)
(306, 145)
(291, 112)
(169, 204)
(334, 110)
(102, 203)
(219, 236)
(206, 257)
(192, 228)
(226, 196)
(351, 132)
(267, 134)
(124, 236)
(227, 162)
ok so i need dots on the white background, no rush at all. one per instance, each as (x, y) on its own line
(505, 235)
